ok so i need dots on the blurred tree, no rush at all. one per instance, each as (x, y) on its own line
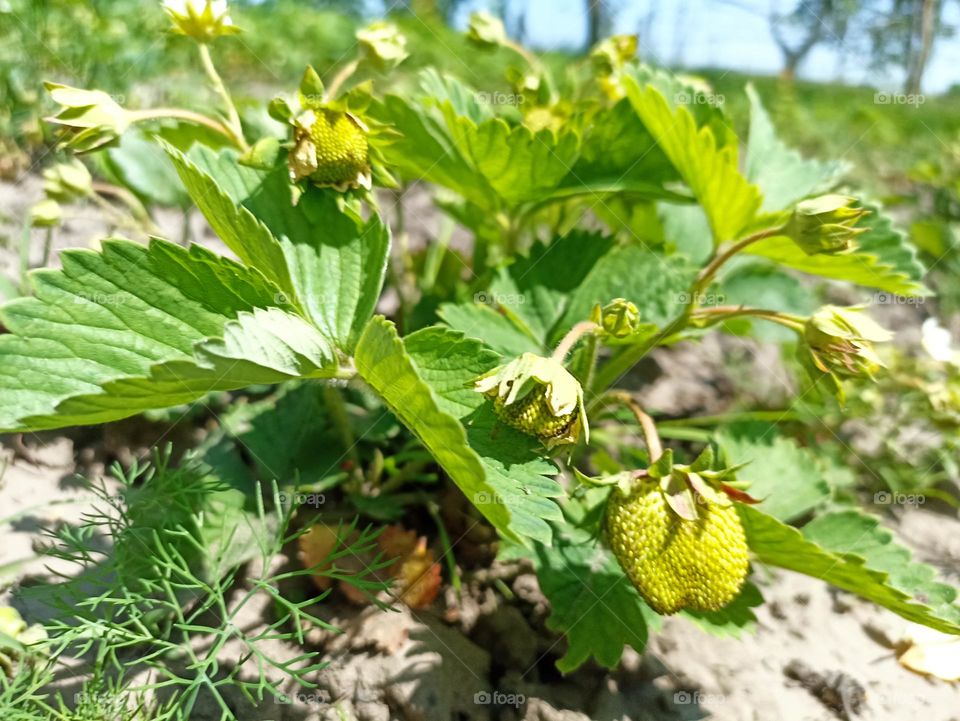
(903, 33)
(808, 24)
(598, 21)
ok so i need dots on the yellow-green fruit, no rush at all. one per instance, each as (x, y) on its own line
(339, 149)
(532, 415)
(676, 563)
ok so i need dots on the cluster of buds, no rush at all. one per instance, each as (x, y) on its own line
(608, 58)
(825, 225)
(619, 322)
(536, 396)
(677, 534)
(202, 20)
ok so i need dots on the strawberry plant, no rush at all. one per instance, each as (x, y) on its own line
(608, 217)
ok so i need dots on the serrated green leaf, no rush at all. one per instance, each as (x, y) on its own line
(655, 283)
(851, 531)
(785, 477)
(592, 602)
(513, 462)
(331, 262)
(536, 289)
(133, 327)
(733, 620)
(884, 258)
(383, 362)
(498, 332)
(706, 166)
(778, 544)
(780, 172)
(139, 164)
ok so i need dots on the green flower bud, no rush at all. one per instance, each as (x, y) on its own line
(486, 30)
(537, 396)
(330, 149)
(202, 20)
(90, 117)
(825, 224)
(46, 214)
(67, 181)
(839, 341)
(383, 45)
(610, 55)
(619, 318)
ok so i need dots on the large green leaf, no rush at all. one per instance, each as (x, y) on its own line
(592, 602)
(499, 333)
(787, 478)
(515, 469)
(335, 261)
(132, 328)
(884, 258)
(870, 567)
(535, 290)
(782, 174)
(509, 497)
(707, 167)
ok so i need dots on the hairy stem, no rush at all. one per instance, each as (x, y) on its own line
(188, 116)
(649, 428)
(216, 81)
(571, 338)
(340, 78)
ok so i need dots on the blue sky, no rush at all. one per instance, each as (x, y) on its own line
(698, 33)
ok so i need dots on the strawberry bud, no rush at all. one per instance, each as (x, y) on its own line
(840, 341)
(825, 224)
(537, 396)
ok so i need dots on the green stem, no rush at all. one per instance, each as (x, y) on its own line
(187, 116)
(340, 78)
(722, 418)
(649, 428)
(718, 314)
(217, 82)
(571, 338)
(448, 558)
(47, 247)
(621, 364)
(333, 399)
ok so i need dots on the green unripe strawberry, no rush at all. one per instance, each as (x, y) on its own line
(676, 563)
(537, 396)
(532, 415)
(331, 149)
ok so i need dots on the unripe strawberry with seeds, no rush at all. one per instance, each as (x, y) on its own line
(537, 396)
(331, 149)
(679, 538)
